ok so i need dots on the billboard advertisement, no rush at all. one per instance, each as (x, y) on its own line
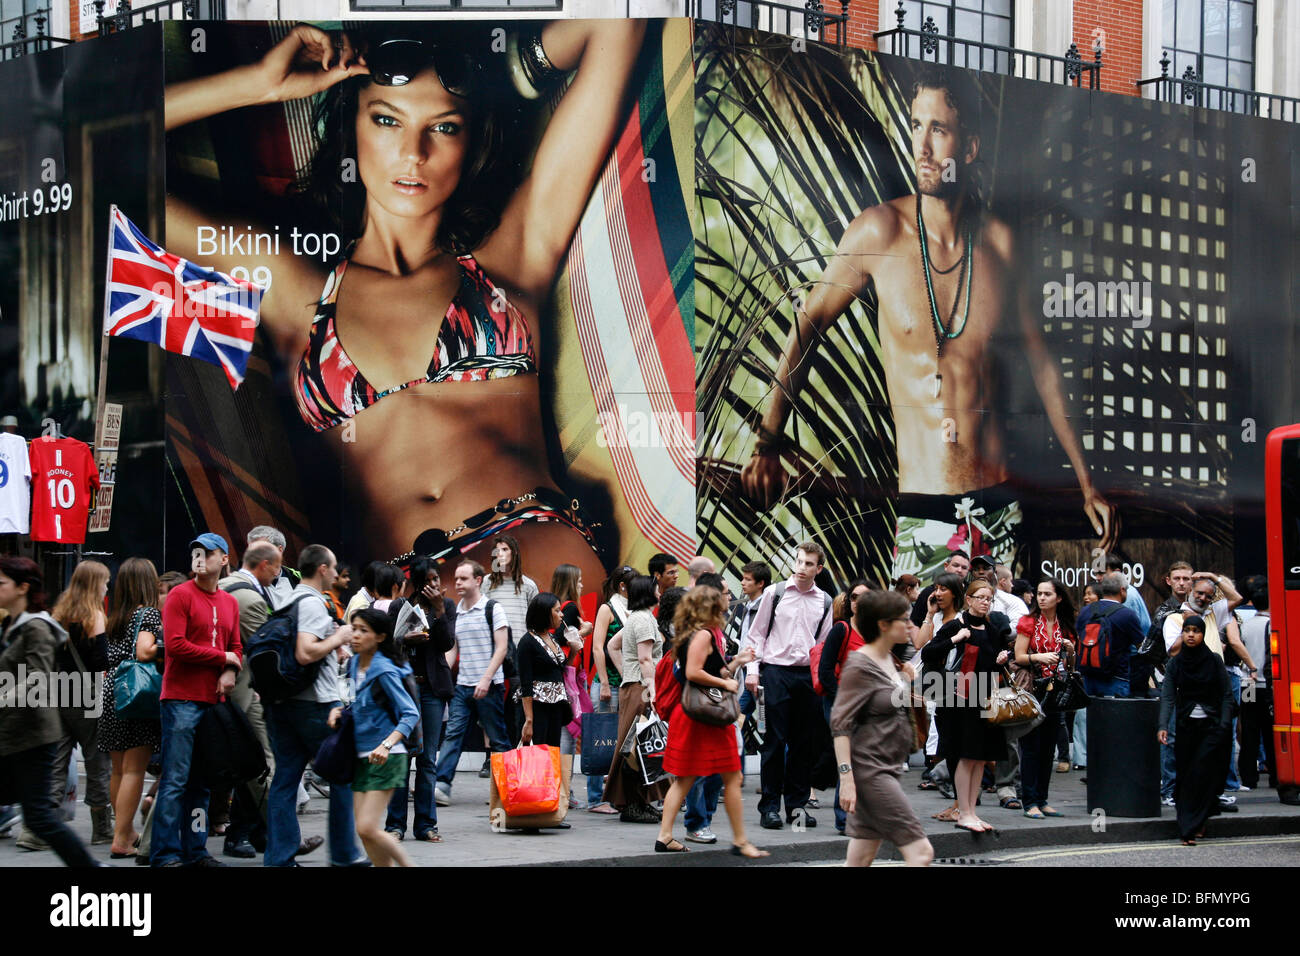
(946, 309)
(471, 270)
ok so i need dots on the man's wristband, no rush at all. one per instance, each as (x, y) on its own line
(770, 442)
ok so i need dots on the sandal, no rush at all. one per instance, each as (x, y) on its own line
(601, 808)
(947, 816)
(1189, 842)
(1049, 812)
(1036, 814)
(927, 785)
(1010, 803)
(754, 852)
(431, 837)
(672, 846)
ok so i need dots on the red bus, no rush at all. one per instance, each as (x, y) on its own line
(1282, 515)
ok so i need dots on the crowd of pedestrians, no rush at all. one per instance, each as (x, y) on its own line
(808, 678)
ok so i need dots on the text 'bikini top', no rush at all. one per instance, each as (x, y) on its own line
(483, 336)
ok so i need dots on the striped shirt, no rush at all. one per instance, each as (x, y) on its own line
(474, 641)
(515, 603)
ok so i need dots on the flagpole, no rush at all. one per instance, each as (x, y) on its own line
(103, 346)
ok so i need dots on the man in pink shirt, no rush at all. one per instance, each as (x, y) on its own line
(793, 615)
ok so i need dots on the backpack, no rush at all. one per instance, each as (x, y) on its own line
(851, 641)
(270, 655)
(1097, 654)
(226, 751)
(508, 667)
(1152, 647)
(668, 685)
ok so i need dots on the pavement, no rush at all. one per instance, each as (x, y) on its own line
(599, 840)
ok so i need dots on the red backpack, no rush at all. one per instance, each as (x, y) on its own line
(851, 642)
(668, 687)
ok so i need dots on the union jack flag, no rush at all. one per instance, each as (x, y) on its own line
(161, 298)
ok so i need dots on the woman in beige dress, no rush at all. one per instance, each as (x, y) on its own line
(874, 734)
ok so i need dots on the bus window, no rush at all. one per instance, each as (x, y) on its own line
(1290, 502)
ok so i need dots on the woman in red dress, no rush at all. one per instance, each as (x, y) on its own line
(696, 749)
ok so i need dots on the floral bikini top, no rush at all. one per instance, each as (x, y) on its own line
(483, 336)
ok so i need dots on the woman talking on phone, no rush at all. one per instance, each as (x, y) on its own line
(430, 323)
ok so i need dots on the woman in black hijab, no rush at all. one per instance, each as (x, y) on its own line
(1196, 694)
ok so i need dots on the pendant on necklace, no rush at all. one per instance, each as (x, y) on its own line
(938, 384)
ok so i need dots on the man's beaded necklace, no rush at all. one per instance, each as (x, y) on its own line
(943, 334)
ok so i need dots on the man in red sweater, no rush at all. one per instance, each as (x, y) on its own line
(202, 655)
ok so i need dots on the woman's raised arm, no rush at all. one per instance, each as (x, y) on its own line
(304, 63)
(538, 224)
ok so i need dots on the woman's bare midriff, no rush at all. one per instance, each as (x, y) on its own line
(432, 455)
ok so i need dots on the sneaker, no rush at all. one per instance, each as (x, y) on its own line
(1227, 800)
(1167, 801)
(442, 794)
(639, 815)
(702, 835)
(1243, 789)
(27, 840)
(485, 771)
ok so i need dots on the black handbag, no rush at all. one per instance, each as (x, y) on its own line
(336, 758)
(1061, 695)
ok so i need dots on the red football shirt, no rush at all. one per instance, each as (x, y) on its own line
(63, 475)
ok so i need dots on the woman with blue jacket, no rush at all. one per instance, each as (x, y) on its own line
(383, 716)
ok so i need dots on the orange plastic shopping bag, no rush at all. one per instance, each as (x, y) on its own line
(528, 780)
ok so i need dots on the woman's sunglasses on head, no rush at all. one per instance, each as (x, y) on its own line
(397, 62)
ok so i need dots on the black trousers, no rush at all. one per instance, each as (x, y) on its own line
(1256, 721)
(794, 721)
(1036, 761)
(547, 722)
(29, 773)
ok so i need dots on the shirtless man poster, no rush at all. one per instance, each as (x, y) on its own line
(946, 278)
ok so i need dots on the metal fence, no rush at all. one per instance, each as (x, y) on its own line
(123, 17)
(812, 21)
(928, 43)
(1190, 90)
(20, 44)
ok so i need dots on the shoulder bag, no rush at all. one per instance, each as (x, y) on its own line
(137, 685)
(1010, 706)
(713, 706)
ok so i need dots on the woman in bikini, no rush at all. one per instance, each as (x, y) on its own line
(361, 336)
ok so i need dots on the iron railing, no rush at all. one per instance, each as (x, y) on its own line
(1190, 90)
(21, 44)
(928, 43)
(123, 17)
(812, 21)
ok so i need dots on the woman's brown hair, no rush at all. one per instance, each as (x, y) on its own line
(81, 601)
(516, 570)
(564, 582)
(136, 587)
(700, 609)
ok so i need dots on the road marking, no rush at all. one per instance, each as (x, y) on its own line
(1128, 847)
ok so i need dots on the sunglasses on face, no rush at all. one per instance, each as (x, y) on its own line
(397, 62)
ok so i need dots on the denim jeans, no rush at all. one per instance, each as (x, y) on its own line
(1233, 782)
(1168, 768)
(702, 802)
(491, 715)
(180, 823)
(426, 766)
(297, 728)
(841, 818)
(596, 781)
(28, 772)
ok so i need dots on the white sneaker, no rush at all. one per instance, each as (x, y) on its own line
(442, 795)
(1243, 789)
(702, 835)
(1167, 801)
(1227, 800)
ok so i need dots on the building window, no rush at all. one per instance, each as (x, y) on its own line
(18, 18)
(465, 5)
(978, 21)
(1216, 38)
